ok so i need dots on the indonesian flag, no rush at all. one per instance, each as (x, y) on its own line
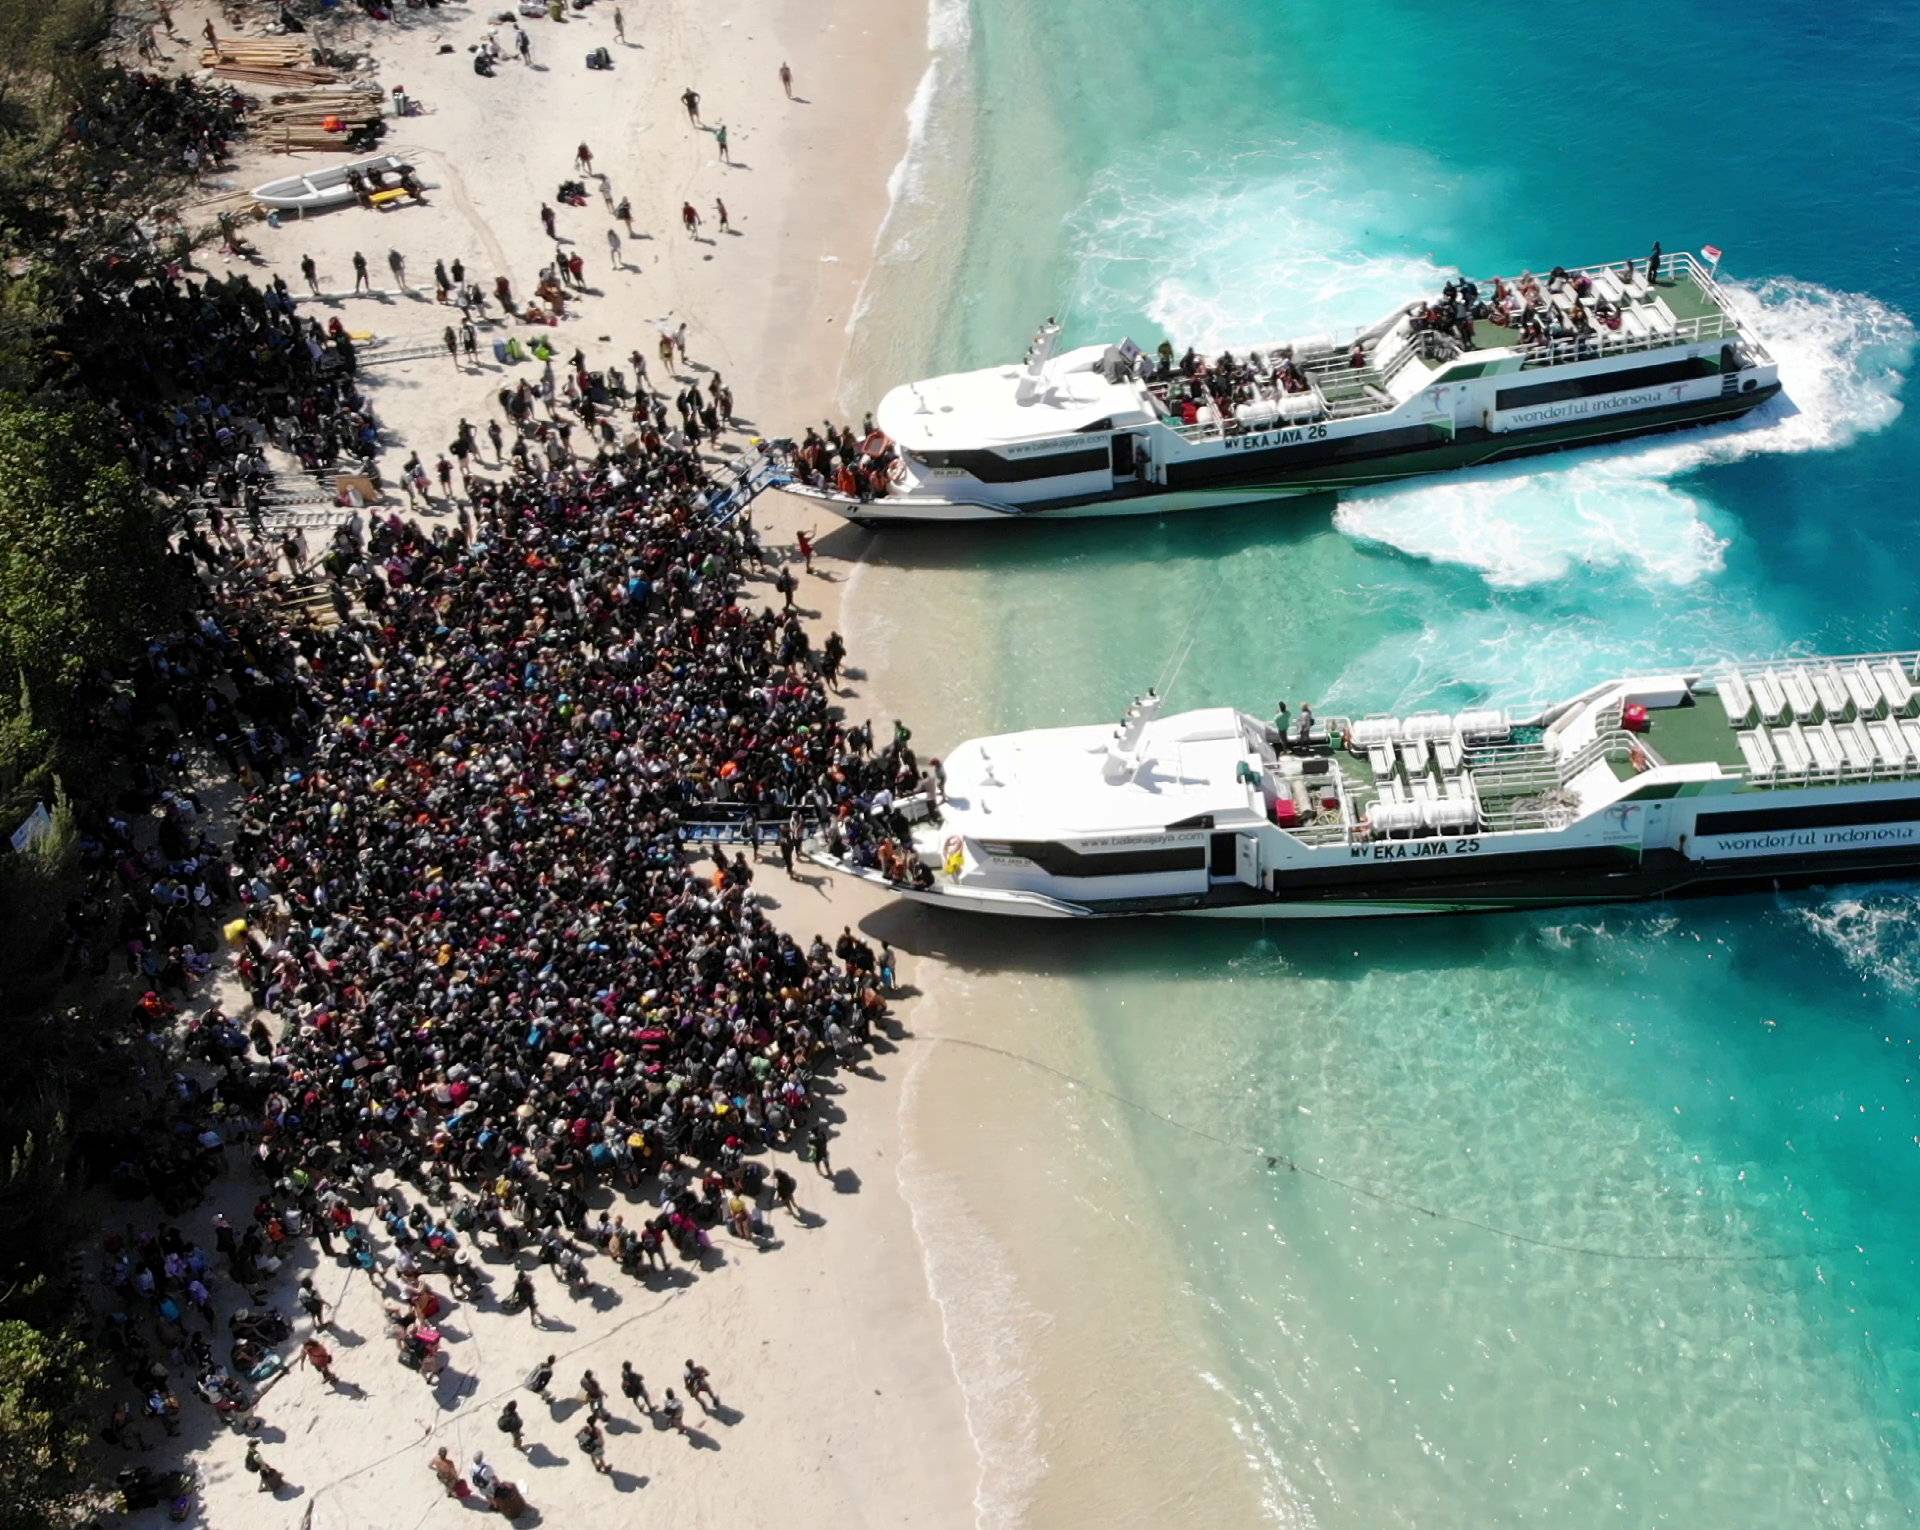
(1711, 251)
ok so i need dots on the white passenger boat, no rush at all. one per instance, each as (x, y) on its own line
(1483, 373)
(316, 190)
(1702, 780)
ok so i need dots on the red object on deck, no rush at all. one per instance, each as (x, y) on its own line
(1634, 718)
(1284, 811)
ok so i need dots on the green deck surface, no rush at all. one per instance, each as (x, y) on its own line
(1695, 735)
(1684, 296)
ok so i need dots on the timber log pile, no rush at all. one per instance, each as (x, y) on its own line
(297, 119)
(264, 61)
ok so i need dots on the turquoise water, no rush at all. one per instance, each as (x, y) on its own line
(1725, 1091)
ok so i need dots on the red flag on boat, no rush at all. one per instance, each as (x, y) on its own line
(1712, 252)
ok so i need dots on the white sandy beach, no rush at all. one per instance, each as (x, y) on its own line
(966, 1331)
(829, 1354)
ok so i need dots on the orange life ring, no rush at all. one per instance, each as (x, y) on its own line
(876, 443)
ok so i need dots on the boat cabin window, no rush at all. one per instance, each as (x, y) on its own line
(1070, 861)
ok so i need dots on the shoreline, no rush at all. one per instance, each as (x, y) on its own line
(835, 1427)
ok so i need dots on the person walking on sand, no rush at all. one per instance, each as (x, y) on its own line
(593, 1442)
(784, 1185)
(593, 1395)
(700, 1388)
(312, 273)
(624, 212)
(523, 1293)
(720, 208)
(720, 139)
(521, 42)
(633, 1386)
(817, 1143)
(541, 1378)
(690, 99)
(803, 541)
(397, 264)
(619, 25)
(613, 249)
(510, 1424)
(452, 342)
(546, 221)
(680, 339)
(673, 1411)
(786, 80)
(690, 219)
(442, 1466)
(583, 159)
(312, 1302)
(317, 1355)
(360, 281)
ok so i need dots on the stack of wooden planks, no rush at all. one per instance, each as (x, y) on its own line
(264, 61)
(296, 119)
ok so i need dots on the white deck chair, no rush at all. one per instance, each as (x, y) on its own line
(1895, 686)
(1380, 759)
(1736, 698)
(1866, 697)
(1446, 754)
(1910, 731)
(1832, 691)
(1768, 696)
(1761, 762)
(1413, 755)
(1826, 738)
(1889, 745)
(1823, 751)
(1799, 693)
(1856, 747)
(1792, 750)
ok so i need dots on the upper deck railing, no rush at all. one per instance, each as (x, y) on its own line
(1518, 786)
(1331, 363)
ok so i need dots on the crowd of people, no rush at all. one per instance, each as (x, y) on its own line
(862, 467)
(178, 123)
(484, 972)
(503, 990)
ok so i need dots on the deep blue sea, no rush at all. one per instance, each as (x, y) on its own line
(1716, 1103)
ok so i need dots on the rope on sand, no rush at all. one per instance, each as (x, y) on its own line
(1275, 1160)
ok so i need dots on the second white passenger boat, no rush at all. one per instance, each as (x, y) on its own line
(1478, 374)
(1709, 779)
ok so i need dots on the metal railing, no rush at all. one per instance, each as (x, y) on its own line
(1600, 341)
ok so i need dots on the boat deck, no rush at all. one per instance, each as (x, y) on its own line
(1696, 735)
(1683, 295)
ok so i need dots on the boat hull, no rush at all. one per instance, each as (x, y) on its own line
(1470, 449)
(320, 190)
(1654, 877)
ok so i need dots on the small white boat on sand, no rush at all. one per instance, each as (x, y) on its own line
(317, 190)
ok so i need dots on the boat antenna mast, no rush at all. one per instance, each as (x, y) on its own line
(1038, 355)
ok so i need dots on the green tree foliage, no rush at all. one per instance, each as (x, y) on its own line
(80, 545)
(47, 1387)
(36, 885)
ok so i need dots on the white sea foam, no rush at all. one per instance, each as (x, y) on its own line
(986, 1324)
(1842, 363)
(1877, 936)
(1240, 254)
(949, 36)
